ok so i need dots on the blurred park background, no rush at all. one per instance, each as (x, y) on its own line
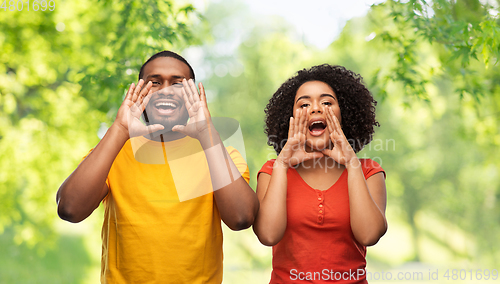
(431, 65)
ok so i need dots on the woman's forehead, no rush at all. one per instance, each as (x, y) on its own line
(314, 88)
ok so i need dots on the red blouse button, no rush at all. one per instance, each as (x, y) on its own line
(319, 198)
(320, 211)
(321, 206)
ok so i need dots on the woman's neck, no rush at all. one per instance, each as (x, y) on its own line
(323, 164)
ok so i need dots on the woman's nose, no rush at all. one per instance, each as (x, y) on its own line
(316, 108)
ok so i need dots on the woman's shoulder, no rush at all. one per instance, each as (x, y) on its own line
(267, 167)
(370, 167)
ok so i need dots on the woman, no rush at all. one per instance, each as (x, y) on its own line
(320, 206)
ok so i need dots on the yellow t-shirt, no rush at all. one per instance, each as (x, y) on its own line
(149, 235)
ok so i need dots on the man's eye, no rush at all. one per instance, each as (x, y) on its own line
(155, 83)
(178, 84)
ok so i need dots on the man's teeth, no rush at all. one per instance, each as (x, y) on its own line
(166, 104)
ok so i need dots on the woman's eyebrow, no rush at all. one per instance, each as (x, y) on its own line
(302, 97)
(322, 95)
(327, 95)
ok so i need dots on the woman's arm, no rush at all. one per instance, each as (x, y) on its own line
(367, 202)
(367, 198)
(270, 224)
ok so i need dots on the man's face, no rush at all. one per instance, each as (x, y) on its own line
(166, 106)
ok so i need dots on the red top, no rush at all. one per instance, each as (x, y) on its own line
(318, 245)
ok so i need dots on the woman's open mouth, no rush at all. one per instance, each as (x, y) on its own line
(317, 127)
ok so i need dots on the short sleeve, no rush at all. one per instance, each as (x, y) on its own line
(239, 162)
(267, 168)
(370, 167)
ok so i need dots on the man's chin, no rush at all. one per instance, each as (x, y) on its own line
(167, 131)
(167, 124)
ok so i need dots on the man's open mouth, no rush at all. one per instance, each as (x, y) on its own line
(165, 107)
(317, 127)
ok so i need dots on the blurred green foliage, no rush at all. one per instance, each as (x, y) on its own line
(62, 73)
(465, 34)
(431, 65)
(64, 264)
(445, 52)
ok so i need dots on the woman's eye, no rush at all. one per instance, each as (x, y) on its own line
(304, 105)
(327, 103)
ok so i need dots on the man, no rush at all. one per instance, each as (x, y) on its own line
(165, 185)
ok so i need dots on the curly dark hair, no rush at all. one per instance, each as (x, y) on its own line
(356, 103)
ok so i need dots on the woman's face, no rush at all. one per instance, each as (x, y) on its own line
(315, 96)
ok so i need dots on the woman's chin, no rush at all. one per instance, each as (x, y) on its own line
(317, 145)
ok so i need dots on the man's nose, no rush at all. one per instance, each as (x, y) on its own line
(167, 90)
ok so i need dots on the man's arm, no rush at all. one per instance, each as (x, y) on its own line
(81, 193)
(235, 199)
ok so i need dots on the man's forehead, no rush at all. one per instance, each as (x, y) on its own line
(167, 66)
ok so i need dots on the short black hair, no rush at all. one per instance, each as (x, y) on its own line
(167, 53)
(357, 105)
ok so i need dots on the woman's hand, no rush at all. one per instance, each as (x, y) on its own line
(342, 151)
(129, 113)
(294, 151)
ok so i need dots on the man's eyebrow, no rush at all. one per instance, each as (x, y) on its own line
(153, 76)
(159, 76)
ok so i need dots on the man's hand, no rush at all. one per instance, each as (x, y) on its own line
(128, 117)
(199, 124)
